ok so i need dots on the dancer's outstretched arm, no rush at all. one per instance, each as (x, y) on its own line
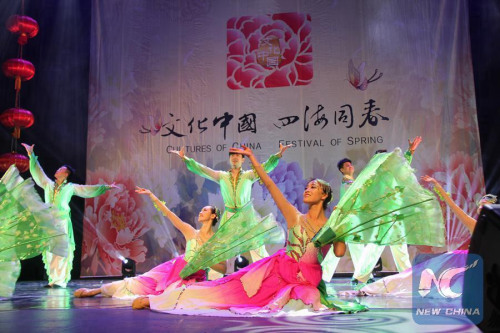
(37, 173)
(187, 230)
(90, 191)
(286, 208)
(467, 220)
(196, 167)
(273, 160)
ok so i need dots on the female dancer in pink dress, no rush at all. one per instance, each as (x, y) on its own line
(401, 284)
(155, 281)
(290, 277)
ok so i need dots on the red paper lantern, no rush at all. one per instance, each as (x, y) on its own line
(21, 70)
(18, 68)
(22, 162)
(24, 26)
(16, 117)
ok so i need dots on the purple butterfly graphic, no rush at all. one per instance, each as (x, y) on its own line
(357, 76)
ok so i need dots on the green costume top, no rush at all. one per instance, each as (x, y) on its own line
(297, 246)
(347, 182)
(192, 246)
(297, 242)
(235, 193)
(386, 205)
(60, 196)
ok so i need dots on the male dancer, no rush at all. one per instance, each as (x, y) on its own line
(329, 264)
(235, 184)
(365, 258)
(372, 252)
(58, 193)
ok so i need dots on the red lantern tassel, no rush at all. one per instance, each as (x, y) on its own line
(16, 133)
(18, 83)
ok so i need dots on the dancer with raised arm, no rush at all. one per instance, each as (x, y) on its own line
(58, 193)
(386, 205)
(372, 252)
(155, 281)
(364, 257)
(287, 279)
(235, 185)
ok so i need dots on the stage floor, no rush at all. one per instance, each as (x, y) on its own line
(37, 309)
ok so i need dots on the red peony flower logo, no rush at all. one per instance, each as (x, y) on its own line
(268, 51)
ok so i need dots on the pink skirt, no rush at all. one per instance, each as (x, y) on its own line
(153, 282)
(268, 284)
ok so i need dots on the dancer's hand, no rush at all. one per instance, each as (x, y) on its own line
(412, 145)
(141, 190)
(428, 179)
(179, 153)
(29, 149)
(283, 149)
(113, 185)
(244, 150)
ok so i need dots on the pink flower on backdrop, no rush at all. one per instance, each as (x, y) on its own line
(146, 110)
(113, 225)
(465, 183)
(266, 51)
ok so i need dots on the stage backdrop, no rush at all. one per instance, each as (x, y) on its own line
(333, 78)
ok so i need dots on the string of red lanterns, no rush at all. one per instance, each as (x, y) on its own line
(20, 70)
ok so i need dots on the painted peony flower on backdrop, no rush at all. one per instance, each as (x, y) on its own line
(113, 226)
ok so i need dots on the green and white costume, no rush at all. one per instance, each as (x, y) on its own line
(236, 193)
(386, 205)
(59, 267)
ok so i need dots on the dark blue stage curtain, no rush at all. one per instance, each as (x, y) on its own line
(484, 17)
